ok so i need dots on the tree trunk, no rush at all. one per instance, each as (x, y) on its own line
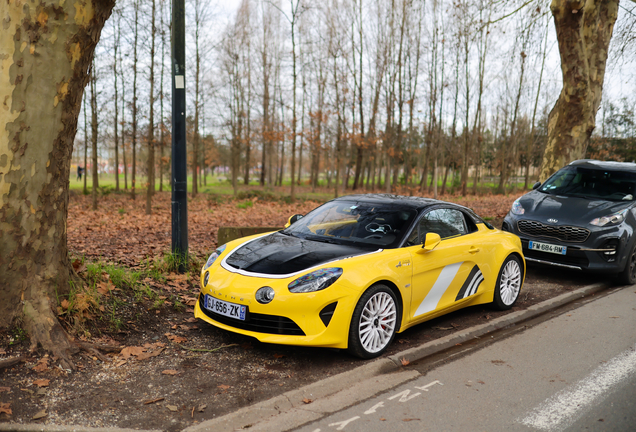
(133, 179)
(115, 75)
(44, 72)
(151, 118)
(584, 30)
(94, 126)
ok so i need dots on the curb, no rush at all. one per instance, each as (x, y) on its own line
(293, 412)
(14, 427)
(289, 410)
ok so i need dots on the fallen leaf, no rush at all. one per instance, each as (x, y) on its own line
(409, 419)
(172, 408)
(42, 382)
(497, 362)
(382, 419)
(42, 366)
(4, 408)
(191, 320)
(404, 361)
(175, 338)
(39, 415)
(147, 355)
(121, 363)
(5, 389)
(307, 401)
(202, 408)
(170, 372)
(131, 351)
(279, 356)
(223, 387)
(64, 304)
(3, 352)
(481, 382)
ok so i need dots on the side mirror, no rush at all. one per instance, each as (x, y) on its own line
(536, 186)
(293, 219)
(430, 242)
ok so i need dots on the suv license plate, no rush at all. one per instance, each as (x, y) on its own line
(545, 247)
(225, 308)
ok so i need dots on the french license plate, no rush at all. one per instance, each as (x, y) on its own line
(225, 308)
(546, 247)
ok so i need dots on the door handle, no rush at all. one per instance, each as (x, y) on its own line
(473, 250)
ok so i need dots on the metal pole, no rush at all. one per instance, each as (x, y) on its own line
(179, 155)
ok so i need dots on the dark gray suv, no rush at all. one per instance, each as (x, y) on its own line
(582, 217)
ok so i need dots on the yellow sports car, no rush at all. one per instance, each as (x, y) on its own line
(357, 270)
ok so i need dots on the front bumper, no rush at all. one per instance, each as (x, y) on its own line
(319, 319)
(605, 250)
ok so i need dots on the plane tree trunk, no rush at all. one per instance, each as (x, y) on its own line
(584, 30)
(45, 53)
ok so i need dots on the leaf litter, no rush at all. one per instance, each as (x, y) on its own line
(218, 371)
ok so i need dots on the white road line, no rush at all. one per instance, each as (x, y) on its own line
(566, 406)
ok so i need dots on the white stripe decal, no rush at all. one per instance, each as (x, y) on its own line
(475, 283)
(564, 408)
(439, 288)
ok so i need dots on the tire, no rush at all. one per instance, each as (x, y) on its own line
(508, 283)
(374, 322)
(628, 275)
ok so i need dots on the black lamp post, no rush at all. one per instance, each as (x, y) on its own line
(179, 155)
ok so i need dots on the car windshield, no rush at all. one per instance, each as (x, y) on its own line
(592, 183)
(347, 222)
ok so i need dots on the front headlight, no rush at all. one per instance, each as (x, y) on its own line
(614, 218)
(315, 281)
(517, 208)
(213, 257)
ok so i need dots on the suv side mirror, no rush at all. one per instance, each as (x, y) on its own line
(536, 186)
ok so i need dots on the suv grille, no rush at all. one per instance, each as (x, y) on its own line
(563, 233)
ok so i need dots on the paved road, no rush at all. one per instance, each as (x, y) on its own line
(574, 372)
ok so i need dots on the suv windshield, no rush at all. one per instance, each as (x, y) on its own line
(592, 183)
(344, 222)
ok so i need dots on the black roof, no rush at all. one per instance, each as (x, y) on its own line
(605, 165)
(417, 203)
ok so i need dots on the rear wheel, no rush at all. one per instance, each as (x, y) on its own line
(628, 275)
(374, 322)
(508, 283)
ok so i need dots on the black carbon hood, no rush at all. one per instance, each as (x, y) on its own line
(279, 254)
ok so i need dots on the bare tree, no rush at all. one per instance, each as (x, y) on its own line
(150, 190)
(584, 30)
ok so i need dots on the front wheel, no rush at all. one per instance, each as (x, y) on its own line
(374, 322)
(628, 275)
(508, 283)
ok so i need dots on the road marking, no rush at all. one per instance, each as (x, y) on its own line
(561, 410)
(344, 423)
(404, 396)
(374, 408)
(425, 388)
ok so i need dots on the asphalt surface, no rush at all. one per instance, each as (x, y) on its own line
(555, 376)
(310, 403)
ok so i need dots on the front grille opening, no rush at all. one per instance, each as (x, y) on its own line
(327, 313)
(261, 323)
(563, 233)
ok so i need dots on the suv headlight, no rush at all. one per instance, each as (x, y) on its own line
(213, 257)
(315, 281)
(517, 208)
(614, 218)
